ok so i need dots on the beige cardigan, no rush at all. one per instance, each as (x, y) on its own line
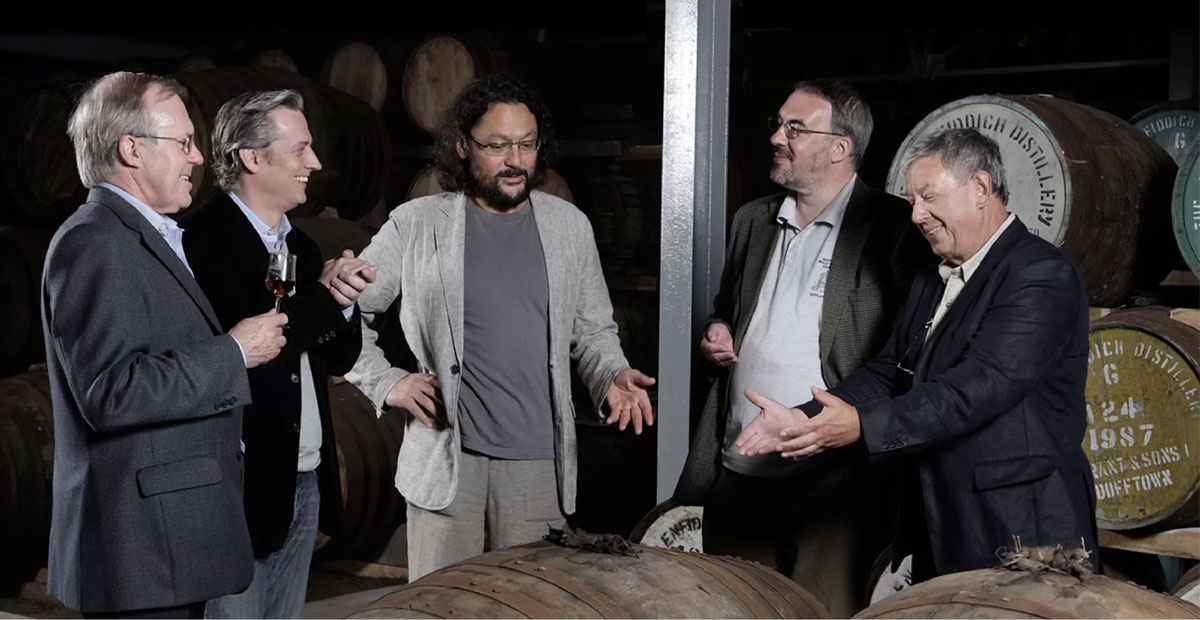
(419, 251)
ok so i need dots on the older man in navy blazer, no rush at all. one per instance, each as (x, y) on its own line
(147, 390)
(982, 386)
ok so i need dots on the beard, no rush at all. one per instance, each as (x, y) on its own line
(488, 188)
(781, 172)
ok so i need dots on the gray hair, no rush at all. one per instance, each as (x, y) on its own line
(851, 115)
(244, 122)
(964, 152)
(111, 107)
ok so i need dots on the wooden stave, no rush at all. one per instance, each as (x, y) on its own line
(599, 585)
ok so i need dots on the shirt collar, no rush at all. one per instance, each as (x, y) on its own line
(970, 265)
(158, 221)
(270, 236)
(831, 216)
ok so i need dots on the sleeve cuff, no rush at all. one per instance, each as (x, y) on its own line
(240, 349)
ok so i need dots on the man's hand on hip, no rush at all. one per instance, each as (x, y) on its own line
(418, 394)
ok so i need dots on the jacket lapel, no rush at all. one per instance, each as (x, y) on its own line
(449, 238)
(554, 279)
(847, 253)
(764, 231)
(159, 248)
(955, 314)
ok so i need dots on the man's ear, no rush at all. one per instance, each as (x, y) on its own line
(129, 151)
(461, 148)
(843, 149)
(982, 183)
(251, 159)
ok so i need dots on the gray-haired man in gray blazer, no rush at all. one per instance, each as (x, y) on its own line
(500, 289)
(147, 392)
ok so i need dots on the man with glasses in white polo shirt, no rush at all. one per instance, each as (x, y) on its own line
(813, 279)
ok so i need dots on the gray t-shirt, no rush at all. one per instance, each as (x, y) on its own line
(504, 402)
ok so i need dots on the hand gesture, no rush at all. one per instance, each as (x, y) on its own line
(763, 434)
(837, 425)
(346, 277)
(628, 400)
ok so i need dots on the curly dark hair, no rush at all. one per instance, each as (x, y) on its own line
(470, 105)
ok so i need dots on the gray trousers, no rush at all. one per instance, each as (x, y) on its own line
(499, 503)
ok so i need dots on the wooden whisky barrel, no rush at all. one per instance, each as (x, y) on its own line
(367, 448)
(672, 525)
(26, 475)
(437, 69)
(1078, 177)
(357, 69)
(1000, 593)
(1173, 126)
(38, 176)
(1185, 210)
(1188, 586)
(540, 580)
(22, 253)
(1143, 404)
(275, 59)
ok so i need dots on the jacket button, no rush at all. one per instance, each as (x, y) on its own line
(296, 427)
(454, 369)
(295, 378)
(239, 455)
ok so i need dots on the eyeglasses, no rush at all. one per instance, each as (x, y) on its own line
(500, 149)
(903, 356)
(185, 142)
(793, 129)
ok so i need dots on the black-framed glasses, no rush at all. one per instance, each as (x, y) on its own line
(500, 149)
(185, 142)
(904, 356)
(793, 129)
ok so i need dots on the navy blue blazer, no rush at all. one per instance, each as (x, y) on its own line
(993, 413)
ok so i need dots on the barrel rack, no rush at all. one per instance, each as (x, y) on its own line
(1180, 543)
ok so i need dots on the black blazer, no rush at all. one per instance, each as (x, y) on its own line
(994, 414)
(230, 262)
(877, 251)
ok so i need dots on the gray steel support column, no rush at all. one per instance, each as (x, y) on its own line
(1182, 79)
(695, 137)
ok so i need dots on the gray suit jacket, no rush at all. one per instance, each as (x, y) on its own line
(419, 251)
(877, 251)
(147, 505)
